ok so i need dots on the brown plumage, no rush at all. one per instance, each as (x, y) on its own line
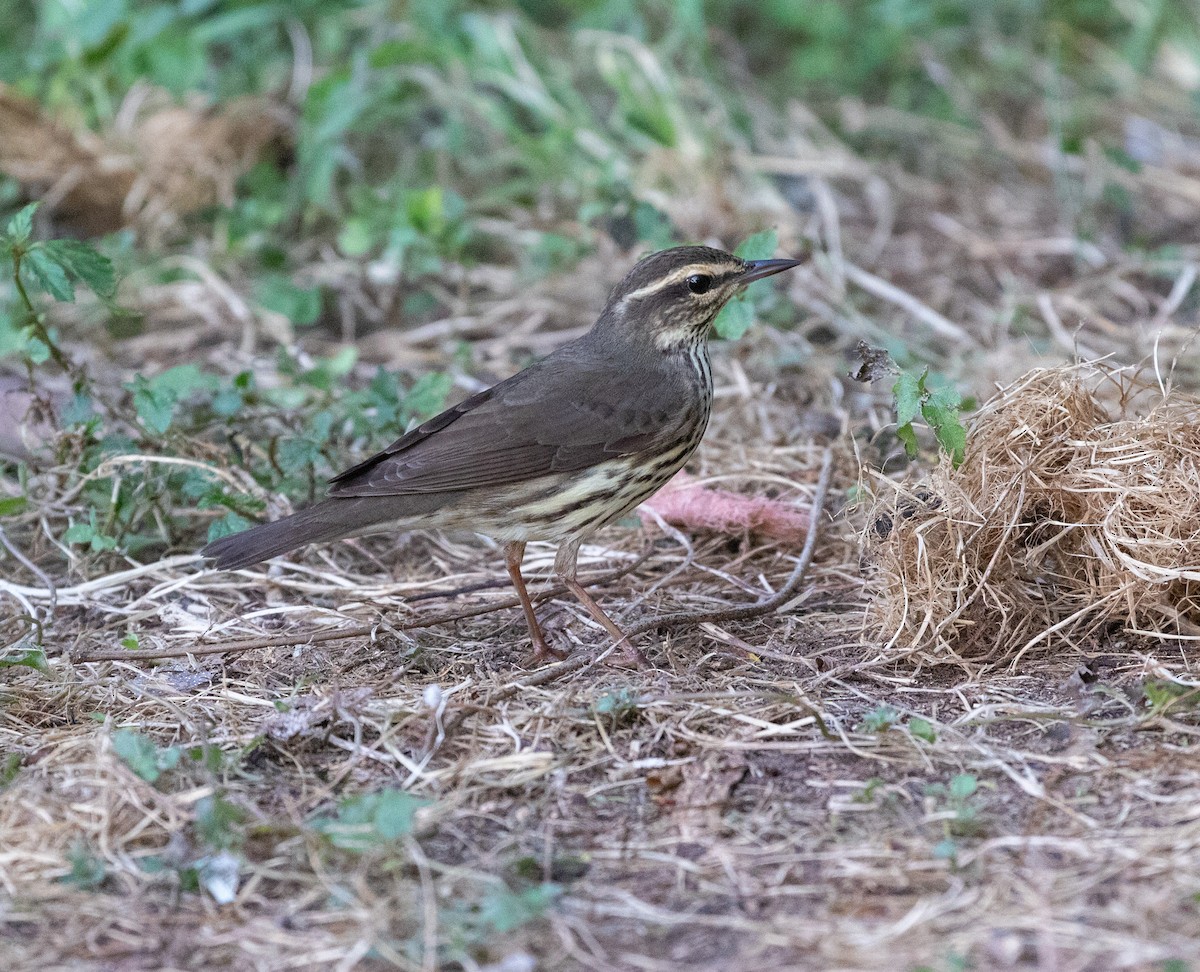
(571, 443)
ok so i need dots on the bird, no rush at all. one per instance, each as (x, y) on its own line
(569, 444)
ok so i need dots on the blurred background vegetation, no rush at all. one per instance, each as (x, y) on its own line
(278, 183)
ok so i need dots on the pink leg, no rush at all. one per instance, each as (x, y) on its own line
(565, 566)
(514, 553)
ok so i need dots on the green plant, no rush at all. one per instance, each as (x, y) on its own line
(959, 811)
(28, 658)
(52, 267)
(370, 821)
(10, 766)
(737, 316)
(88, 871)
(885, 717)
(620, 707)
(471, 926)
(940, 407)
(219, 824)
(1163, 694)
(879, 719)
(150, 761)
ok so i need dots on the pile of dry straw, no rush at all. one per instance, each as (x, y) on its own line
(1075, 512)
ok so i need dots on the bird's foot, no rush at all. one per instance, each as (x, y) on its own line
(628, 655)
(543, 654)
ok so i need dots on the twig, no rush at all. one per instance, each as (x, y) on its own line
(32, 567)
(880, 288)
(356, 631)
(766, 604)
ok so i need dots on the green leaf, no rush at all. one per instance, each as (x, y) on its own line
(879, 719)
(621, 702)
(945, 850)
(652, 226)
(155, 398)
(10, 766)
(394, 814)
(734, 320)
(950, 432)
(963, 786)
(426, 209)
(922, 729)
(503, 910)
(219, 823)
(21, 225)
(155, 409)
(78, 533)
(908, 438)
(300, 305)
(12, 505)
(48, 274)
(758, 246)
(29, 658)
(185, 380)
(356, 238)
(37, 350)
(139, 753)
(84, 263)
(227, 525)
(371, 820)
(89, 533)
(87, 870)
(909, 392)
(941, 410)
(427, 396)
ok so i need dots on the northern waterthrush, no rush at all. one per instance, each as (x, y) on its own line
(558, 450)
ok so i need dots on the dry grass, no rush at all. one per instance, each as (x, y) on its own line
(164, 163)
(1075, 508)
(788, 792)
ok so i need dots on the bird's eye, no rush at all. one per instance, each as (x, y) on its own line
(699, 283)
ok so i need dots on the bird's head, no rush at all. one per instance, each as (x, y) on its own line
(671, 297)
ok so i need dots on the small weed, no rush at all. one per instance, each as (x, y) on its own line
(879, 719)
(870, 789)
(619, 707)
(371, 821)
(737, 316)
(939, 407)
(956, 804)
(29, 658)
(143, 756)
(1166, 696)
(219, 824)
(470, 928)
(10, 766)
(885, 717)
(150, 761)
(922, 729)
(88, 871)
(52, 267)
(503, 910)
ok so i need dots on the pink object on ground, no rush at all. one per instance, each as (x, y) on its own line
(684, 504)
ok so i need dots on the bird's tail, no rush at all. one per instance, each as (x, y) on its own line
(330, 520)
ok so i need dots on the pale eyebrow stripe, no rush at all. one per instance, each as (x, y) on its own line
(716, 270)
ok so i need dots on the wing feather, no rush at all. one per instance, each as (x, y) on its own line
(507, 435)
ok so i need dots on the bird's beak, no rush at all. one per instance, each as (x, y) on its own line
(757, 269)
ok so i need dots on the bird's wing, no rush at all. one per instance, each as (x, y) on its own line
(511, 433)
